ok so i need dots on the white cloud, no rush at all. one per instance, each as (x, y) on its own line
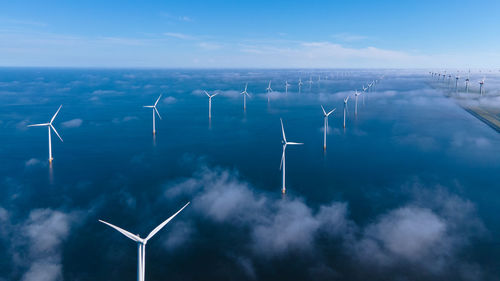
(156, 50)
(73, 123)
(169, 100)
(179, 35)
(43, 271)
(347, 37)
(426, 234)
(32, 162)
(105, 92)
(210, 46)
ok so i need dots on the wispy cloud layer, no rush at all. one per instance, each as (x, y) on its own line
(187, 50)
(179, 35)
(426, 233)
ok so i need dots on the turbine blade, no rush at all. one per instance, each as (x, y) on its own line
(157, 100)
(54, 117)
(124, 232)
(149, 106)
(164, 223)
(56, 132)
(206, 94)
(295, 143)
(214, 95)
(39, 125)
(283, 130)
(324, 112)
(157, 112)
(328, 114)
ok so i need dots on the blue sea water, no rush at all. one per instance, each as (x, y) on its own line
(407, 191)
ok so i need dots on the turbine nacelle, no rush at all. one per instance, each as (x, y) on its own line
(154, 106)
(210, 96)
(245, 91)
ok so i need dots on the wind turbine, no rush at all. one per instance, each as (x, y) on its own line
(456, 82)
(326, 114)
(50, 126)
(210, 104)
(467, 84)
(286, 87)
(300, 84)
(481, 83)
(269, 90)
(141, 243)
(285, 143)
(245, 94)
(356, 94)
(310, 82)
(345, 107)
(153, 107)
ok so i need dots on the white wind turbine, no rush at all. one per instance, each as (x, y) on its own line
(345, 108)
(153, 107)
(285, 143)
(286, 87)
(245, 94)
(467, 84)
(326, 114)
(210, 104)
(300, 84)
(141, 243)
(50, 126)
(269, 90)
(481, 83)
(356, 94)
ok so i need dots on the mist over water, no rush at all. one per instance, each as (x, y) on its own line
(408, 191)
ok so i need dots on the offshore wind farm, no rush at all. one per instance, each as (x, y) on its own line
(332, 149)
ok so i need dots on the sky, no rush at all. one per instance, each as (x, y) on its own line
(251, 34)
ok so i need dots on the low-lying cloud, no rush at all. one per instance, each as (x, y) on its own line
(423, 233)
(36, 243)
(74, 123)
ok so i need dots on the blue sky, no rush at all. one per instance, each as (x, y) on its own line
(267, 34)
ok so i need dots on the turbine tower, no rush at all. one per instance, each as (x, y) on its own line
(345, 108)
(141, 243)
(282, 165)
(269, 90)
(210, 104)
(286, 87)
(300, 84)
(481, 84)
(326, 114)
(49, 127)
(356, 94)
(467, 84)
(153, 107)
(245, 94)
